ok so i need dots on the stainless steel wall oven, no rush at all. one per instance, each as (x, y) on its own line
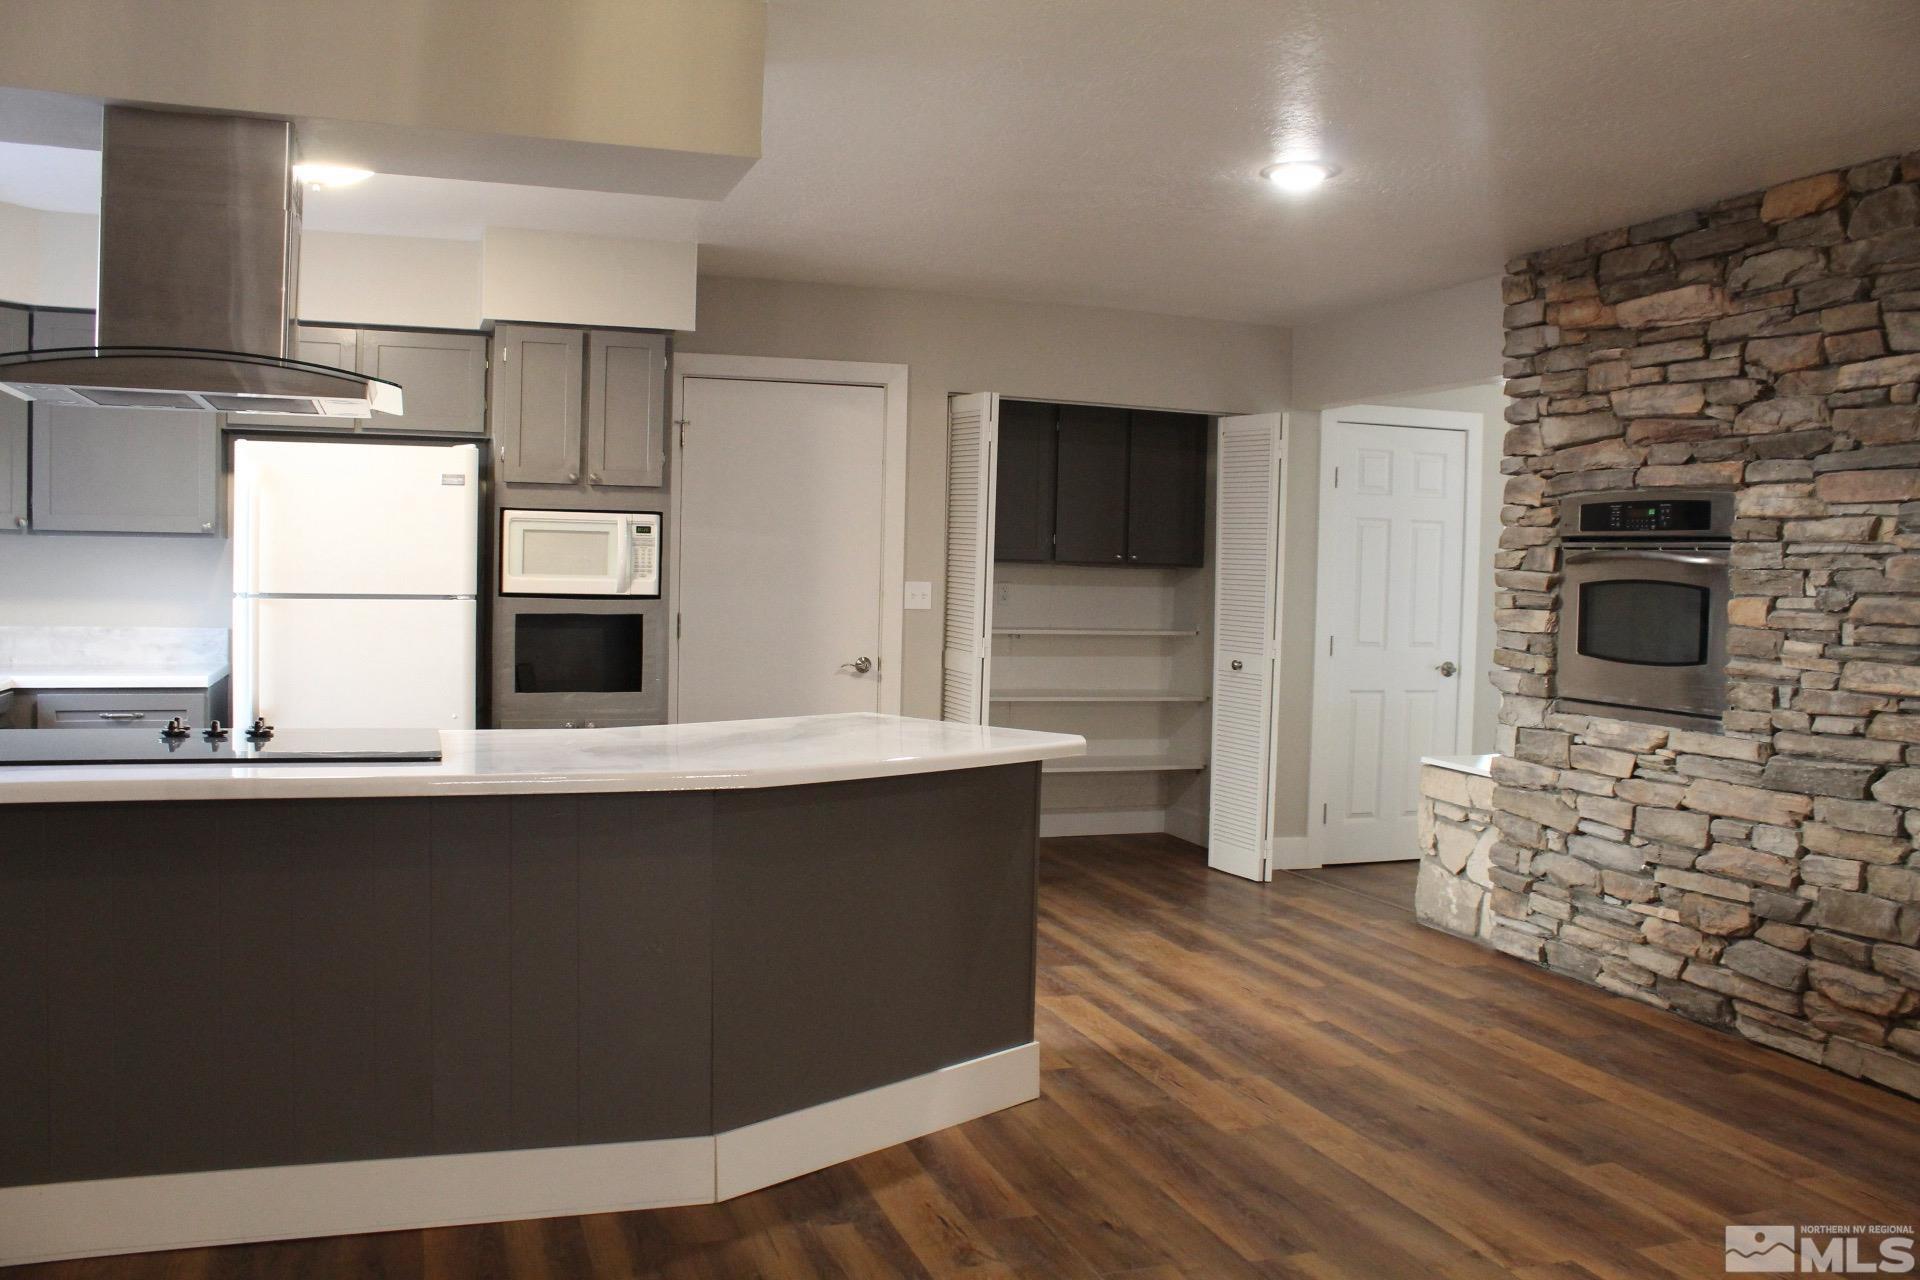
(1643, 631)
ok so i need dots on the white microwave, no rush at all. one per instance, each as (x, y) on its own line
(580, 553)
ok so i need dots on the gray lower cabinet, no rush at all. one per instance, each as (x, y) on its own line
(14, 416)
(570, 406)
(125, 471)
(120, 709)
(443, 378)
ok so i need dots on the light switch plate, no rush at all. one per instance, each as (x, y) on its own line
(919, 595)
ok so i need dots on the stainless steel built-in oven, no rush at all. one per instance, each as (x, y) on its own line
(1644, 606)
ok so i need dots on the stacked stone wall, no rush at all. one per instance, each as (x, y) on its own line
(1762, 878)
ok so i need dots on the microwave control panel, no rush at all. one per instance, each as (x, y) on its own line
(643, 554)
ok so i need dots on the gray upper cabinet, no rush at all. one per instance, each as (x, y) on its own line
(537, 404)
(626, 408)
(120, 470)
(57, 329)
(14, 415)
(316, 344)
(442, 377)
(572, 407)
(126, 471)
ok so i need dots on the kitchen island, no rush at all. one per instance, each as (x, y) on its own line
(556, 972)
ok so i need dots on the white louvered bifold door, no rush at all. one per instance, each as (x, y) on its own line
(972, 440)
(1245, 630)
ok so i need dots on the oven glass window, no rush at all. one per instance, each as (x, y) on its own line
(564, 553)
(1649, 624)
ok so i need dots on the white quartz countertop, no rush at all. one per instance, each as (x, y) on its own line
(193, 676)
(726, 755)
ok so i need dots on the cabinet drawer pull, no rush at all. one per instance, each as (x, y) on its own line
(122, 715)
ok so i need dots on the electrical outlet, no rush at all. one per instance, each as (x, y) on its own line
(1000, 593)
(919, 595)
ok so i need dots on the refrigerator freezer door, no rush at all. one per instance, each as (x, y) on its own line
(329, 518)
(355, 664)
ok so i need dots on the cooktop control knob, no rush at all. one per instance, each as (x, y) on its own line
(176, 730)
(216, 732)
(259, 730)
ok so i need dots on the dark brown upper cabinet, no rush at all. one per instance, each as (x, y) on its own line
(1090, 486)
(1166, 488)
(1084, 484)
(1023, 489)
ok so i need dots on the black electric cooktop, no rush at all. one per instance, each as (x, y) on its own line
(199, 745)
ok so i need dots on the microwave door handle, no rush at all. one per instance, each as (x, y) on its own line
(1671, 557)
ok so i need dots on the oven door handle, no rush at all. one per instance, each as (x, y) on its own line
(1671, 557)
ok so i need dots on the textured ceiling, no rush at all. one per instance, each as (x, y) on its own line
(1106, 151)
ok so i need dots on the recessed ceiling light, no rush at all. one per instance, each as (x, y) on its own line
(330, 175)
(1298, 175)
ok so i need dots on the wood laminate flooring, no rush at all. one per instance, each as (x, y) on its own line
(1389, 882)
(1244, 1081)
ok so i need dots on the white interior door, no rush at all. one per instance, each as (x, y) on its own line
(1246, 600)
(1388, 672)
(782, 538)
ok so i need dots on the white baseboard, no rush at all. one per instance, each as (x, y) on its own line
(759, 1155)
(1102, 822)
(354, 1197)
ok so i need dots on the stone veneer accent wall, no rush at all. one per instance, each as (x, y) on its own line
(1763, 879)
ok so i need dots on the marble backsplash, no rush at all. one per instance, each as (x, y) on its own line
(120, 648)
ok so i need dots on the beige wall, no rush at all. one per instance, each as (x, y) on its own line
(1436, 350)
(654, 96)
(964, 344)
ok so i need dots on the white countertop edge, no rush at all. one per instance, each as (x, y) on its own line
(460, 776)
(1479, 765)
(196, 677)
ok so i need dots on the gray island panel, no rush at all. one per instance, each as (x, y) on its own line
(197, 985)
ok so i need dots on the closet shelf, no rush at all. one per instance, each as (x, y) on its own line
(1094, 631)
(1094, 695)
(1124, 764)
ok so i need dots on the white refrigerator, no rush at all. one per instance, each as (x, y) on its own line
(354, 601)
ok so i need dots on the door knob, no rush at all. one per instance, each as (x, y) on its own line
(1239, 665)
(859, 666)
(1446, 668)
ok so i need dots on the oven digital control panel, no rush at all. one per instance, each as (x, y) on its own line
(1681, 515)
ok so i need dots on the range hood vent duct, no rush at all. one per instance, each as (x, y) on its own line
(199, 278)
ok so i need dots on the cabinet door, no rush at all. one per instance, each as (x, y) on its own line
(13, 431)
(1166, 488)
(1023, 489)
(536, 404)
(120, 709)
(53, 330)
(316, 344)
(626, 408)
(1090, 511)
(442, 377)
(125, 470)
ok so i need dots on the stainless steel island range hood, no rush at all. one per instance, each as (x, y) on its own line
(199, 272)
